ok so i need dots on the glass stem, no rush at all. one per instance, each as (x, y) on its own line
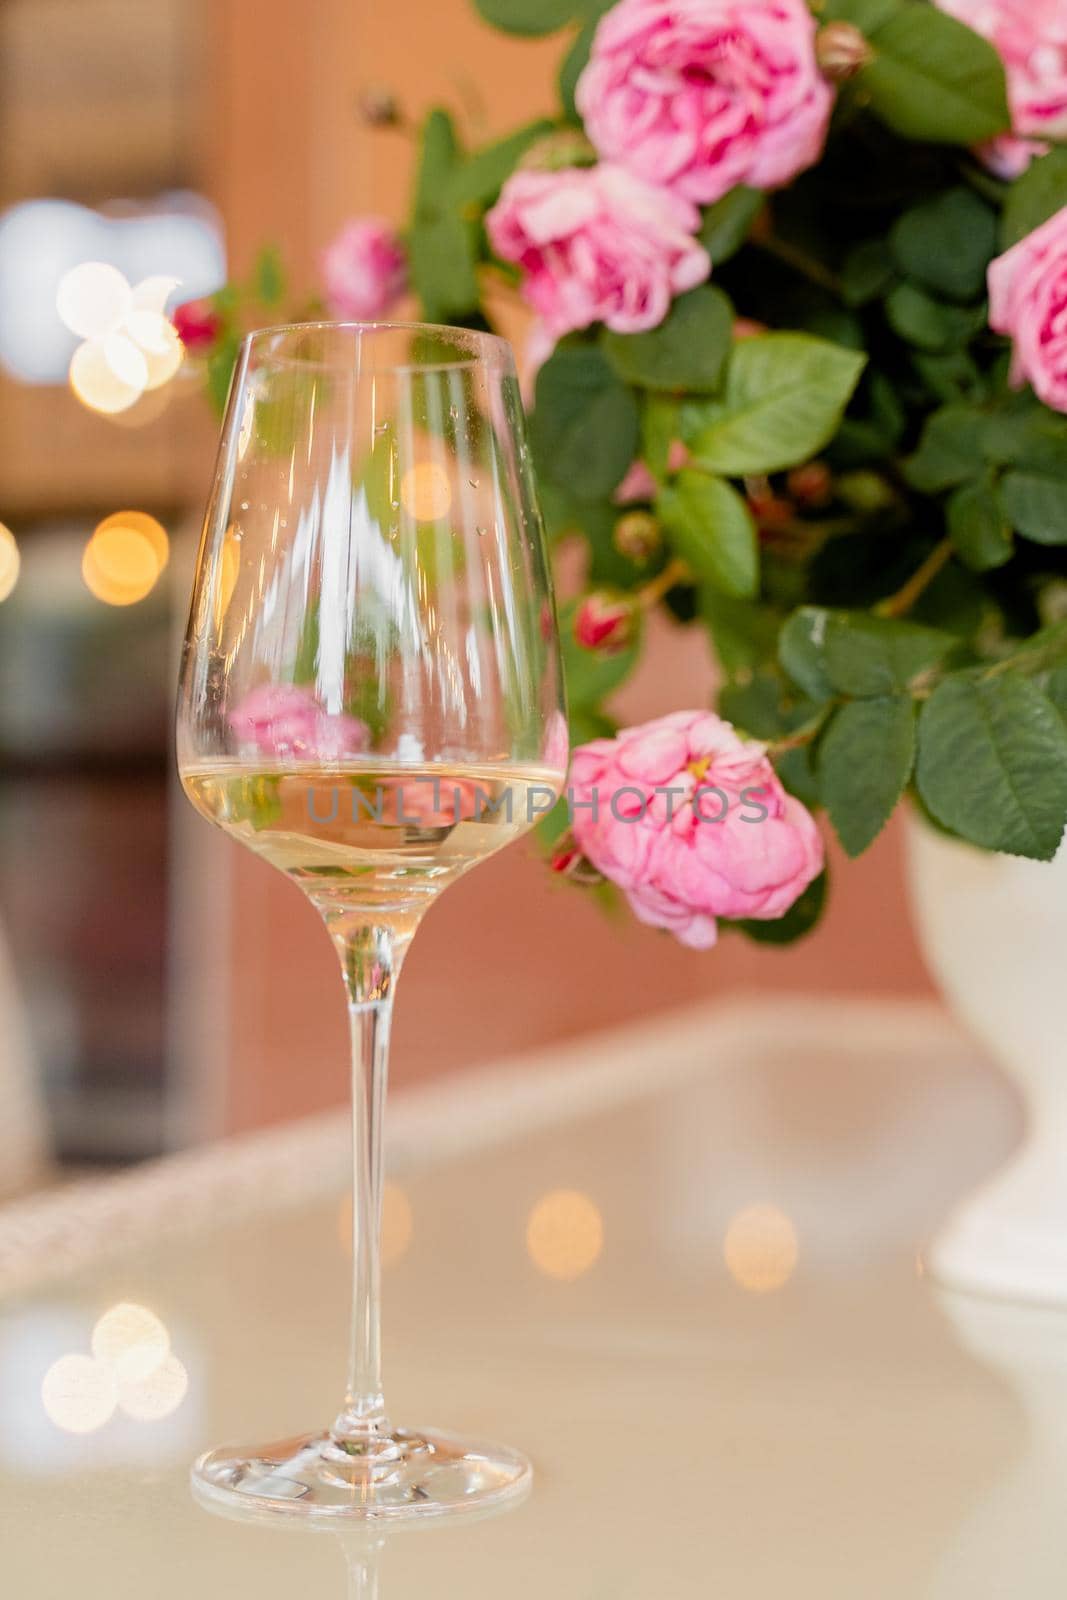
(370, 958)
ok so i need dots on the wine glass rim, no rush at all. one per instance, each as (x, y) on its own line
(494, 347)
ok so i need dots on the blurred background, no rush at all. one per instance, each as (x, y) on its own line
(159, 986)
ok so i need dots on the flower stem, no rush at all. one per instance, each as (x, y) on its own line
(793, 256)
(674, 573)
(899, 604)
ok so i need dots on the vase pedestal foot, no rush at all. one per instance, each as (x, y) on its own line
(1010, 1240)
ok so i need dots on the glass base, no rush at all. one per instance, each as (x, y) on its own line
(411, 1474)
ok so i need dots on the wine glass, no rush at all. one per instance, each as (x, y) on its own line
(371, 699)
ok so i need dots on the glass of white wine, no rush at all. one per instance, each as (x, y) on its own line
(371, 699)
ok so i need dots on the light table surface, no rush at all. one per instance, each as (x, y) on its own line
(748, 1390)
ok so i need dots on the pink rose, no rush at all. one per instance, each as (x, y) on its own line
(1028, 302)
(284, 720)
(364, 270)
(701, 95)
(597, 244)
(1031, 38)
(728, 842)
(197, 324)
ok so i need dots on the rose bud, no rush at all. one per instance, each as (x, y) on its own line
(841, 51)
(811, 485)
(769, 509)
(605, 622)
(746, 328)
(637, 536)
(197, 324)
(569, 862)
(378, 107)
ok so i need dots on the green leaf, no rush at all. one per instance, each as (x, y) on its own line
(856, 653)
(585, 423)
(728, 222)
(801, 651)
(978, 527)
(929, 323)
(528, 17)
(268, 276)
(1053, 686)
(867, 273)
(801, 919)
(1029, 436)
(660, 427)
(1035, 197)
(573, 65)
(785, 394)
(1036, 506)
(687, 351)
(950, 450)
(951, 376)
(220, 365)
(713, 531)
(443, 245)
(479, 179)
(755, 706)
(743, 632)
(993, 764)
(947, 244)
(865, 761)
(866, 15)
(935, 80)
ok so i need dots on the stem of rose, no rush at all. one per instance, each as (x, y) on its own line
(674, 573)
(899, 604)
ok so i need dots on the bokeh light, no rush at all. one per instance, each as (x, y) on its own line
(92, 299)
(761, 1249)
(78, 1393)
(152, 293)
(564, 1234)
(97, 384)
(10, 561)
(124, 558)
(157, 339)
(425, 492)
(157, 1394)
(131, 1340)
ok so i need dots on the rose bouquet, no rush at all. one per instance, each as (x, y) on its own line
(799, 281)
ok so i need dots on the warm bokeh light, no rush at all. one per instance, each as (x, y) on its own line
(97, 384)
(425, 492)
(157, 339)
(139, 522)
(397, 1223)
(124, 558)
(157, 1394)
(152, 294)
(564, 1234)
(130, 346)
(760, 1248)
(92, 299)
(10, 561)
(228, 574)
(131, 1340)
(78, 1393)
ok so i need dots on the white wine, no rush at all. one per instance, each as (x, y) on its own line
(381, 837)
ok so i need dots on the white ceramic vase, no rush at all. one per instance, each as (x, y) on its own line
(994, 932)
